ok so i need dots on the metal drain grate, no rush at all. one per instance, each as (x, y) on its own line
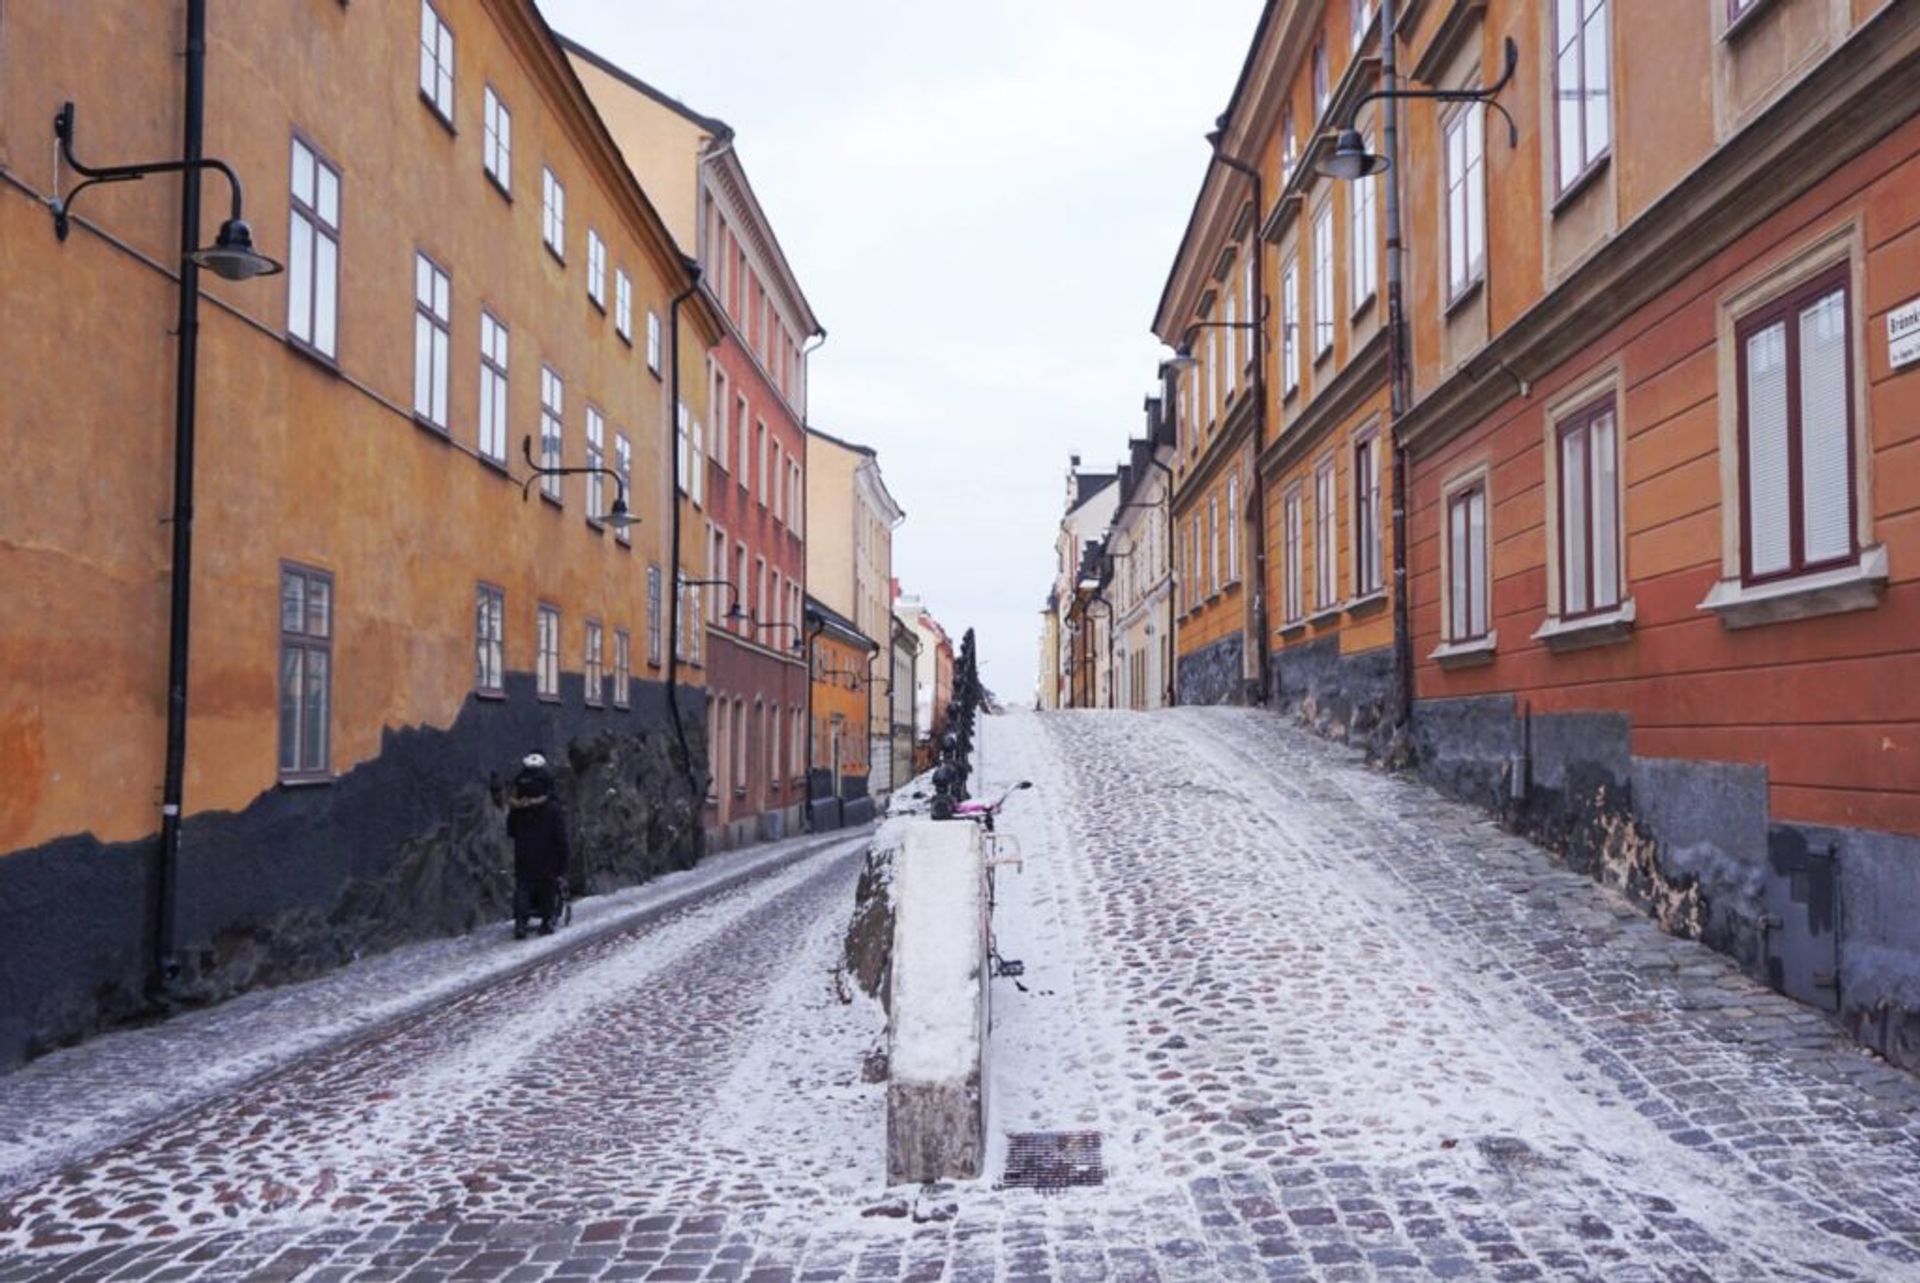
(1050, 1161)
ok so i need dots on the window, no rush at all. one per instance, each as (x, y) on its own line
(698, 453)
(1366, 516)
(739, 747)
(1362, 242)
(1321, 88)
(1323, 282)
(717, 569)
(596, 269)
(777, 483)
(306, 663)
(722, 434)
(1213, 374)
(1582, 132)
(546, 683)
(622, 304)
(489, 640)
(741, 413)
(1289, 328)
(493, 388)
(1292, 609)
(1798, 506)
(797, 750)
(595, 666)
(553, 394)
(1589, 511)
(653, 615)
(596, 458)
(436, 62)
(1326, 538)
(432, 340)
(1213, 544)
(622, 669)
(1233, 529)
(773, 743)
(1466, 200)
(496, 140)
(1467, 563)
(653, 341)
(313, 252)
(1361, 13)
(760, 450)
(1232, 319)
(623, 468)
(553, 214)
(682, 429)
(1289, 147)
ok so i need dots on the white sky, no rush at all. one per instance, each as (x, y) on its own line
(981, 199)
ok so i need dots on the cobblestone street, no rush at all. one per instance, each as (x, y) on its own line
(1326, 1025)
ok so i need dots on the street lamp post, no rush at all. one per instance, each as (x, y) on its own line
(1350, 160)
(233, 258)
(619, 516)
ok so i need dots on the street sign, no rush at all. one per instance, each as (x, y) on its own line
(1903, 335)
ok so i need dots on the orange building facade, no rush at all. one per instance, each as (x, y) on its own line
(1665, 446)
(839, 764)
(380, 622)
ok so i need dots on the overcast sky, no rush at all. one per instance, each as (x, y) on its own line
(981, 199)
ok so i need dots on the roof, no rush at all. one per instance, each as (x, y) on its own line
(1091, 484)
(867, 450)
(838, 624)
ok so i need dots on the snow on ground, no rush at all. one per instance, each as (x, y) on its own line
(937, 956)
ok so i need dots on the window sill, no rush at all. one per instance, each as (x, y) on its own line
(1744, 23)
(552, 499)
(1468, 292)
(547, 699)
(624, 338)
(554, 250)
(596, 525)
(496, 696)
(313, 354)
(1466, 654)
(1368, 602)
(433, 108)
(654, 370)
(599, 305)
(1327, 615)
(306, 781)
(1290, 630)
(431, 428)
(1579, 186)
(1827, 592)
(505, 193)
(1604, 628)
(498, 466)
(1361, 308)
(1321, 357)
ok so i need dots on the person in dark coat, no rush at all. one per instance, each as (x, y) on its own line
(538, 828)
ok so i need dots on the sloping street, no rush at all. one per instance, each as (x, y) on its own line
(1323, 1024)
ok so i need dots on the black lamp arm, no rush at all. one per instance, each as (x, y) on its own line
(98, 174)
(1485, 95)
(526, 487)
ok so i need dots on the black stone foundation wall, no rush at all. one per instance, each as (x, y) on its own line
(408, 845)
(1216, 673)
(1694, 844)
(1347, 698)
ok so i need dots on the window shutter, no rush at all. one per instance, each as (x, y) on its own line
(1770, 546)
(1825, 484)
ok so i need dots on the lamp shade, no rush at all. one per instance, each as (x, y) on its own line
(232, 255)
(1351, 159)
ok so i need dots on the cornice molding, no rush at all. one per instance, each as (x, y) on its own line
(1456, 24)
(1361, 378)
(1213, 460)
(1844, 106)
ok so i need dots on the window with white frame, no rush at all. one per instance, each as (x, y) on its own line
(1323, 282)
(622, 304)
(1233, 528)
(436, 61)
(596, 458)
(553, 213)
(1467, 596)
(1589, 509)
(1582, 80)
(546, 678)
(432, 340)
(489, 640)
(1289, 328)
(1367, 568)
(313, 252)
(722, 432)
(1326, 538)
(623, 467)
(1213, 544)
(553, 397)
(496, 140)
(1289, 147)
(1364, 264)
(653, 615)
(1798, 506)
(1292, 608)
(596, 269)
(697, 452)
(653, 341)
(1322, 85)
(622, 668)
(743, 587)
(742, 415)
(717, 570)
(1466, 199)
(594, 662)
(1232, 319)
(760, 450)
(777, 482)
(306, 666)
(682, 432)
(493, 388)
(1361, 13)
(1213, 374)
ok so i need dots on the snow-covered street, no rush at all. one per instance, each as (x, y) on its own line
(1323, 1024)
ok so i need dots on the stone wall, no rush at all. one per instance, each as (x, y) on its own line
(1347, 698)
(408, 845)
(1216, 673)
(1829, 916)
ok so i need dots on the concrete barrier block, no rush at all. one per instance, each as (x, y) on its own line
(936, 1095)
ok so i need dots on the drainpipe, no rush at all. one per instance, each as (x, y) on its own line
(1257, 600)
(166, 967)
(1396, 375)
(1173, 598)
(813, 635)
(673, 607)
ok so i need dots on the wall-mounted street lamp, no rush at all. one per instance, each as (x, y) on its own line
(1350, 158)
(734, 614)
(799, 638)
(231, 255)
(1183, 358)
(619, 517)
